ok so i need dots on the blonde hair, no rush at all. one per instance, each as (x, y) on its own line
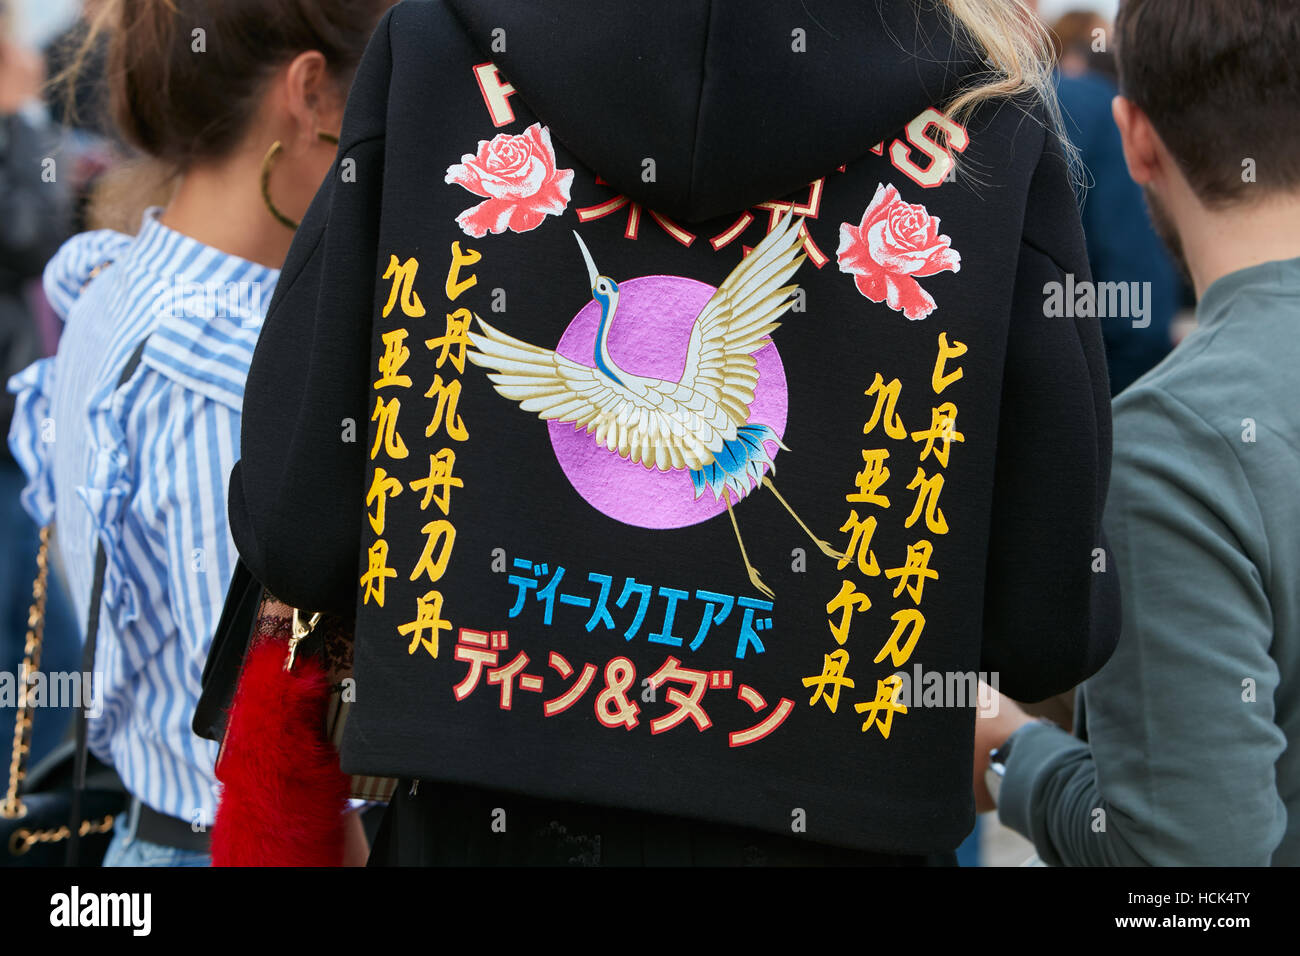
(1017, 46)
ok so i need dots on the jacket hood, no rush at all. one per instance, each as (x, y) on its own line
(699, 107)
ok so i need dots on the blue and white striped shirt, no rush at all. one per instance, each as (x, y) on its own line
(144, 468)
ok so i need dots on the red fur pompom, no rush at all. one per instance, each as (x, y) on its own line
(283, 795)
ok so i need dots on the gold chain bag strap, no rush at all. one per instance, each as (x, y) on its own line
(23, 818)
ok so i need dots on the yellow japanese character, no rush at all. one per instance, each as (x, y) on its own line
(871, 477)
(391, 362)
(886, 405)
(860, 544)
(382, 487)
(938, 380)
(386, 431)
(847, 601)
(428, 617)
(403, 276)
(943, 425)
(887, 693)
(440, 466)
(456, 336)
(448, 395)
(927, 496)
(832, 676)
(455, 284)
(917, 566)
(377, 572)
(435, 531)
(903, 620)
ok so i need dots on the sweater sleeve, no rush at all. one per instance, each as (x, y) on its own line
(1051, 609)
(1182, 721)
(296, 494)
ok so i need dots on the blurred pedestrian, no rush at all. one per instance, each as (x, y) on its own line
(1122, 244)
(1081, 42)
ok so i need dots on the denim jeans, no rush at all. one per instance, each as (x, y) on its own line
(128, 850)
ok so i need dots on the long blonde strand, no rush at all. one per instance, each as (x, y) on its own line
(1019, 52)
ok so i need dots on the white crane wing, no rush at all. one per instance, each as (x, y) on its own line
(730, 328)
(664, 425)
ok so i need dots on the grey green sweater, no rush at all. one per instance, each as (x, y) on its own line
(1188, 724)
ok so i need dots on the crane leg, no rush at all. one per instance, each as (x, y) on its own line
(825, 548)
(754, 579)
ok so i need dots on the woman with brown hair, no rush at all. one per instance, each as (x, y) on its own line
(238, 103)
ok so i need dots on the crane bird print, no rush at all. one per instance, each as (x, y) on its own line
(699, 422)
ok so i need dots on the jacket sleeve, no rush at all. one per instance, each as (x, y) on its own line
(296, 494)
(1051, 609)
(1173, 738)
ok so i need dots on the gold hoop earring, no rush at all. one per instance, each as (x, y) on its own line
(268, 161)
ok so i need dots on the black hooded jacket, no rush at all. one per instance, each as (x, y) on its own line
(539, 468)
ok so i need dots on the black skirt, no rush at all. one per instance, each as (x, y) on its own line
(438, 824)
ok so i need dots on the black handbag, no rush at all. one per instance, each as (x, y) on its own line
(226, 656)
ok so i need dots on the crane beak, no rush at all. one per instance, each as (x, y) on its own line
(592, 272)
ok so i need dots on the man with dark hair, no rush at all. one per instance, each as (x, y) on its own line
(1186, 757)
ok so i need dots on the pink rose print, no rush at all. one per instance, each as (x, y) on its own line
(517, 175)
(896, 244)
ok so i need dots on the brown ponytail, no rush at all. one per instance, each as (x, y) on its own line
(184, 75)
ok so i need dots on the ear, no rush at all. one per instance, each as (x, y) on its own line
(1142, 146)
(306, 82)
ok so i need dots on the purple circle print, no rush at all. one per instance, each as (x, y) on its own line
(649, 336)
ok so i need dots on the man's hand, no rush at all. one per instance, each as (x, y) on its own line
(993, 726)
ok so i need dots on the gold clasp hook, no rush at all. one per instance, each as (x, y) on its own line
(300, 630)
